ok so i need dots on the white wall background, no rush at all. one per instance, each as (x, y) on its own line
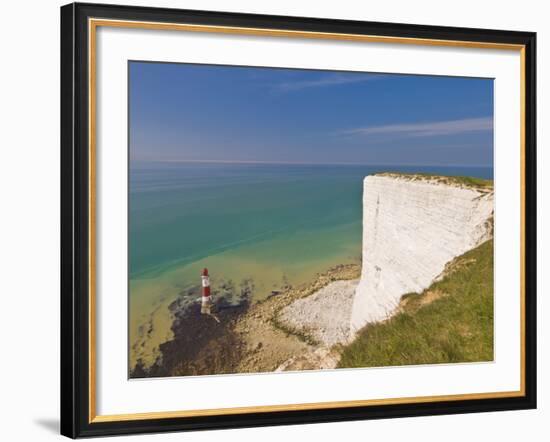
(29, 219)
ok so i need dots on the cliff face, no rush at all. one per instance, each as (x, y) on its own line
(412, 227)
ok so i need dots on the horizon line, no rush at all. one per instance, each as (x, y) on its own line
(305, 163)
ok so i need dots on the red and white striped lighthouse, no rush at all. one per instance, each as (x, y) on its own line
(205, 307)
(205, 283)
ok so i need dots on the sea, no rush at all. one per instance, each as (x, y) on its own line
(274, 224)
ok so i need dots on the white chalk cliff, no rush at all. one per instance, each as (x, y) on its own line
(412, 227)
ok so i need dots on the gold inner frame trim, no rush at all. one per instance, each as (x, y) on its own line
(93, 24)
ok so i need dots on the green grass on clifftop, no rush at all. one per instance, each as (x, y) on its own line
(451, 321)
(456, 180)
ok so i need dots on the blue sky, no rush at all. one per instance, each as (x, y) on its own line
(185, 112)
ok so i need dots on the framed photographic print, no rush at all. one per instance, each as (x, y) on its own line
(274, 220)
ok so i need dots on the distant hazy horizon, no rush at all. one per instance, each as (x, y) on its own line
(189, 112)
(297, 163)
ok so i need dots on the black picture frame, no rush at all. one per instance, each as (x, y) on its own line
(75, 219)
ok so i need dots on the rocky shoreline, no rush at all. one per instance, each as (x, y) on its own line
(270, 335)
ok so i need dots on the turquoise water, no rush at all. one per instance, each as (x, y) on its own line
(182, 212)
(273, 223)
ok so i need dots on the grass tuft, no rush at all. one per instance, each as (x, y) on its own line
(461, 181)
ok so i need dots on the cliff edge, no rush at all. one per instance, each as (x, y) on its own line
(413, 225)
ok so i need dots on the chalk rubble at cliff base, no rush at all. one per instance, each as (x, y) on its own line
(325, 315)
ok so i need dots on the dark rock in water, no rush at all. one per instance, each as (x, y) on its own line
(185, 298)
(139, 371)
(200, 345)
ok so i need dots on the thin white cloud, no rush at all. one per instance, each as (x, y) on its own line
(429, 129)
(328, 80)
